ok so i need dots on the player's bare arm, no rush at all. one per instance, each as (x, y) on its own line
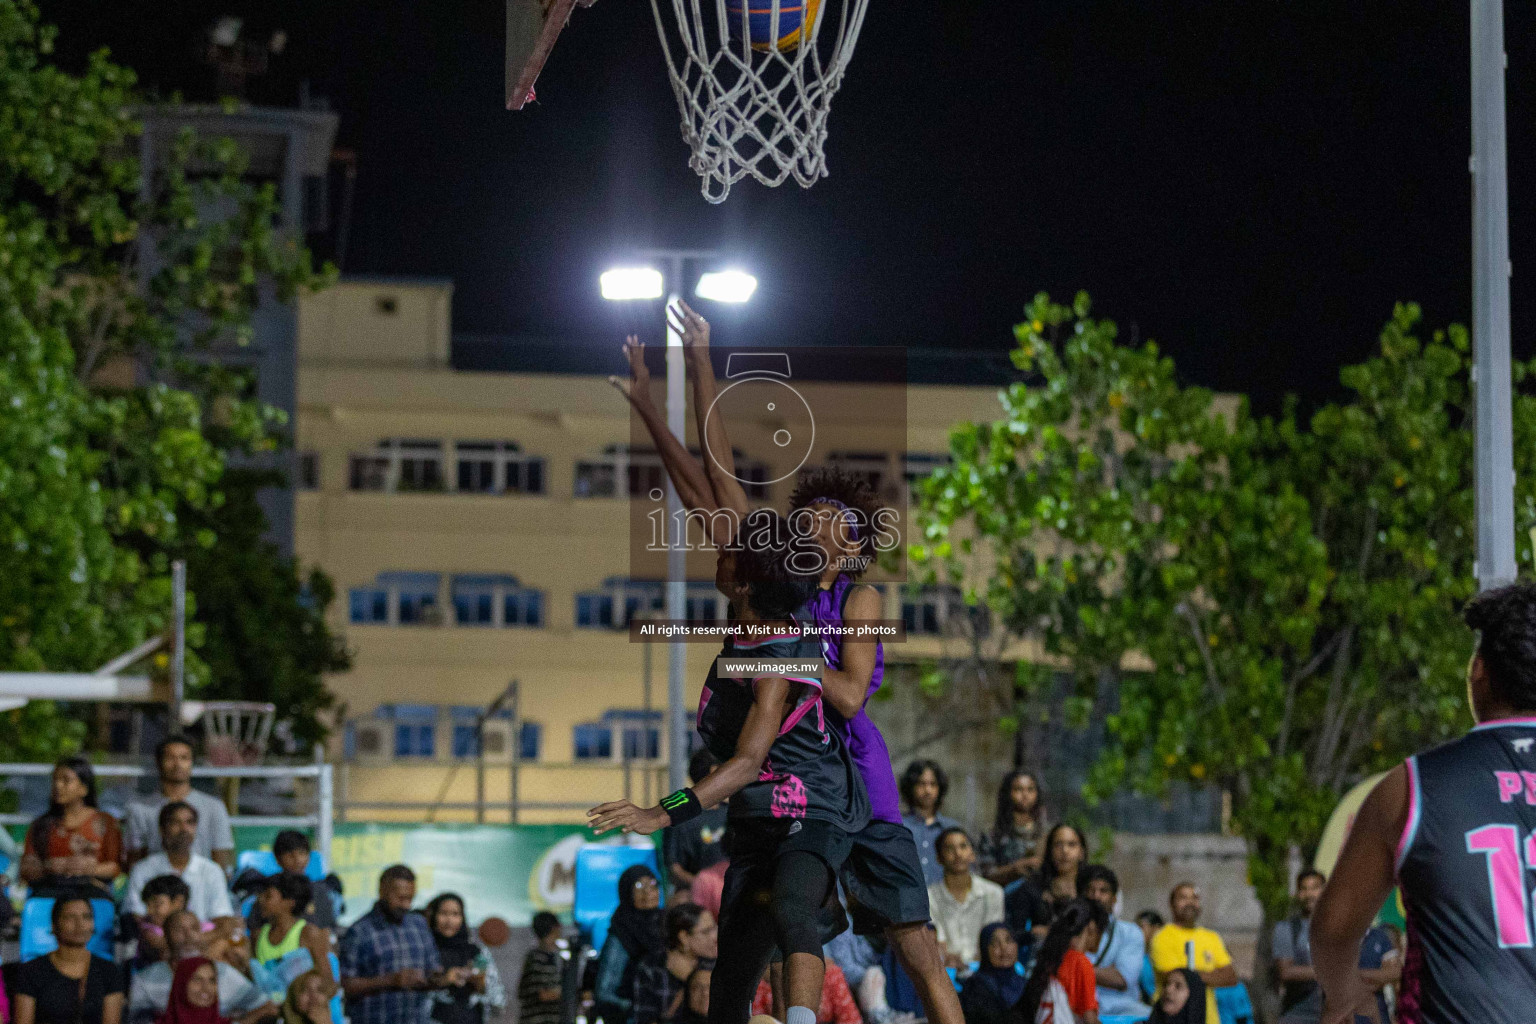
(1353, 895)
(692, 486)
(757, 735)
(721, 467)
(847, 688)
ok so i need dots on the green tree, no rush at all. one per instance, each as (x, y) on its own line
(110, 290)
(264, 631)
(1286, 588)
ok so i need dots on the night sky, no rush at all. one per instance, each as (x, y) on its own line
(1252, 185)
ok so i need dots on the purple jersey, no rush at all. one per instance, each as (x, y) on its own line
(861, 735)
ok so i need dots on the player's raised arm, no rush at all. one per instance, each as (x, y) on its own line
(847, 688)
(721, 468)
(757, 735)
(689, 479)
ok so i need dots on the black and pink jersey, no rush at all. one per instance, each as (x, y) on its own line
(1466, 863)
(808, 773)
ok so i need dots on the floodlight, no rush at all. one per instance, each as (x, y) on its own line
(622, 283)
(726, 286)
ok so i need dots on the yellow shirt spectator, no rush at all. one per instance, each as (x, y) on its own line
(1171, 948)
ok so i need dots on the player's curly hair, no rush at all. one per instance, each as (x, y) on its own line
(850, 489)
(1505, 620)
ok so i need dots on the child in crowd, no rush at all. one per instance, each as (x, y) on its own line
(288, 945)
(291, 850)
(539, 992)
(164, 895)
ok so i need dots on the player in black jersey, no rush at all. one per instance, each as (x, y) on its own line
(1455, 827)
(795, 799)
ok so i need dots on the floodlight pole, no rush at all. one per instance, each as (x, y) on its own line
(1493, 446)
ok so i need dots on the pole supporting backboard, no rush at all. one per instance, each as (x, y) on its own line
(532, 28)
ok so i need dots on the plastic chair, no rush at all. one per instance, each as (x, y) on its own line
(37, 928)
(598, 867)
(264, 862)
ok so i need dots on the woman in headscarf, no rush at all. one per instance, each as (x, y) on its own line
(479, 990)
(990, 993)
(194, 994)
(1183, 1000)
(306, 1002)
(634, 931)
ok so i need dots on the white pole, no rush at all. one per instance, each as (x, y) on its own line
(179, 650)
(677, 661)
(1493, 452)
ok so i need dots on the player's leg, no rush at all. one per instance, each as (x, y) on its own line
(801, 884)
(746, 941)
(917, 950)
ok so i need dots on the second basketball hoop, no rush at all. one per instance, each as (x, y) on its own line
(754, 80)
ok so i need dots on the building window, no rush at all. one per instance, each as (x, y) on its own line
(495, 601)
(309, 471)
(594, 480)
(415, 728)
(702, 603)
(639, 468)
(397, 599)
(930, 608)
(642, 743)
(871, 467)
(399, 465)
(530, 736)
(620, 601)
(594, 611)
(497, 467)
(466, 740)
(592, 741)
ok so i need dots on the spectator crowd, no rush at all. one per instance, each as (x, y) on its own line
(1032, 929)
(145, 924)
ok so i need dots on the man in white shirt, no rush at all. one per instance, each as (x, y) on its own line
(961, 902)
(240, 1000)
(215, 838)
(210, 889)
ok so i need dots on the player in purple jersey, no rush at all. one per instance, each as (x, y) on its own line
(883, 875)
(1455, 828)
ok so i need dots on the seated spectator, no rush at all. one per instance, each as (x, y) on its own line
(70, 984)
(961, 902)
(194, 995)
(698, 844)
(1301, 1001)
(1149, 921)
(1013, 849)
(72, 848)
(1182, 1001)
(923, 787)
(307, 1002)
(388, 957)
(1211, 960)
(696, 1008)
(1061, 986)
(661, 979)
(1121, 951)
(207, 887)
(291, 850)
(837, 1005)
(149, 995)
(163, 896)
(214, 839)
(476, 990)
(991, 992)
(286, 934)
(540, 989)
(1034, 902)
(634, 931)
(861, 963)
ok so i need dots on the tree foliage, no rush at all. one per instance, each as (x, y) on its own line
(112, 290)
(1273, 600)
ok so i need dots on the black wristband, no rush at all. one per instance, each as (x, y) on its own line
(682, 806)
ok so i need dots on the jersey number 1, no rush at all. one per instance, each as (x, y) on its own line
(1500, 846)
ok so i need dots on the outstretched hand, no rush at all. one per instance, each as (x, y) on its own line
(638, 387)
(622, 814)
(693, 328)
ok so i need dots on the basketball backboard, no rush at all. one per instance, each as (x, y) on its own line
(532, 28)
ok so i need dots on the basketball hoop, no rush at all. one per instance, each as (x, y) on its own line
(754, 83)
(234, 731)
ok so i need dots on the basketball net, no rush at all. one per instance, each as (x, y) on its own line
(748, 110)
(235, 732)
